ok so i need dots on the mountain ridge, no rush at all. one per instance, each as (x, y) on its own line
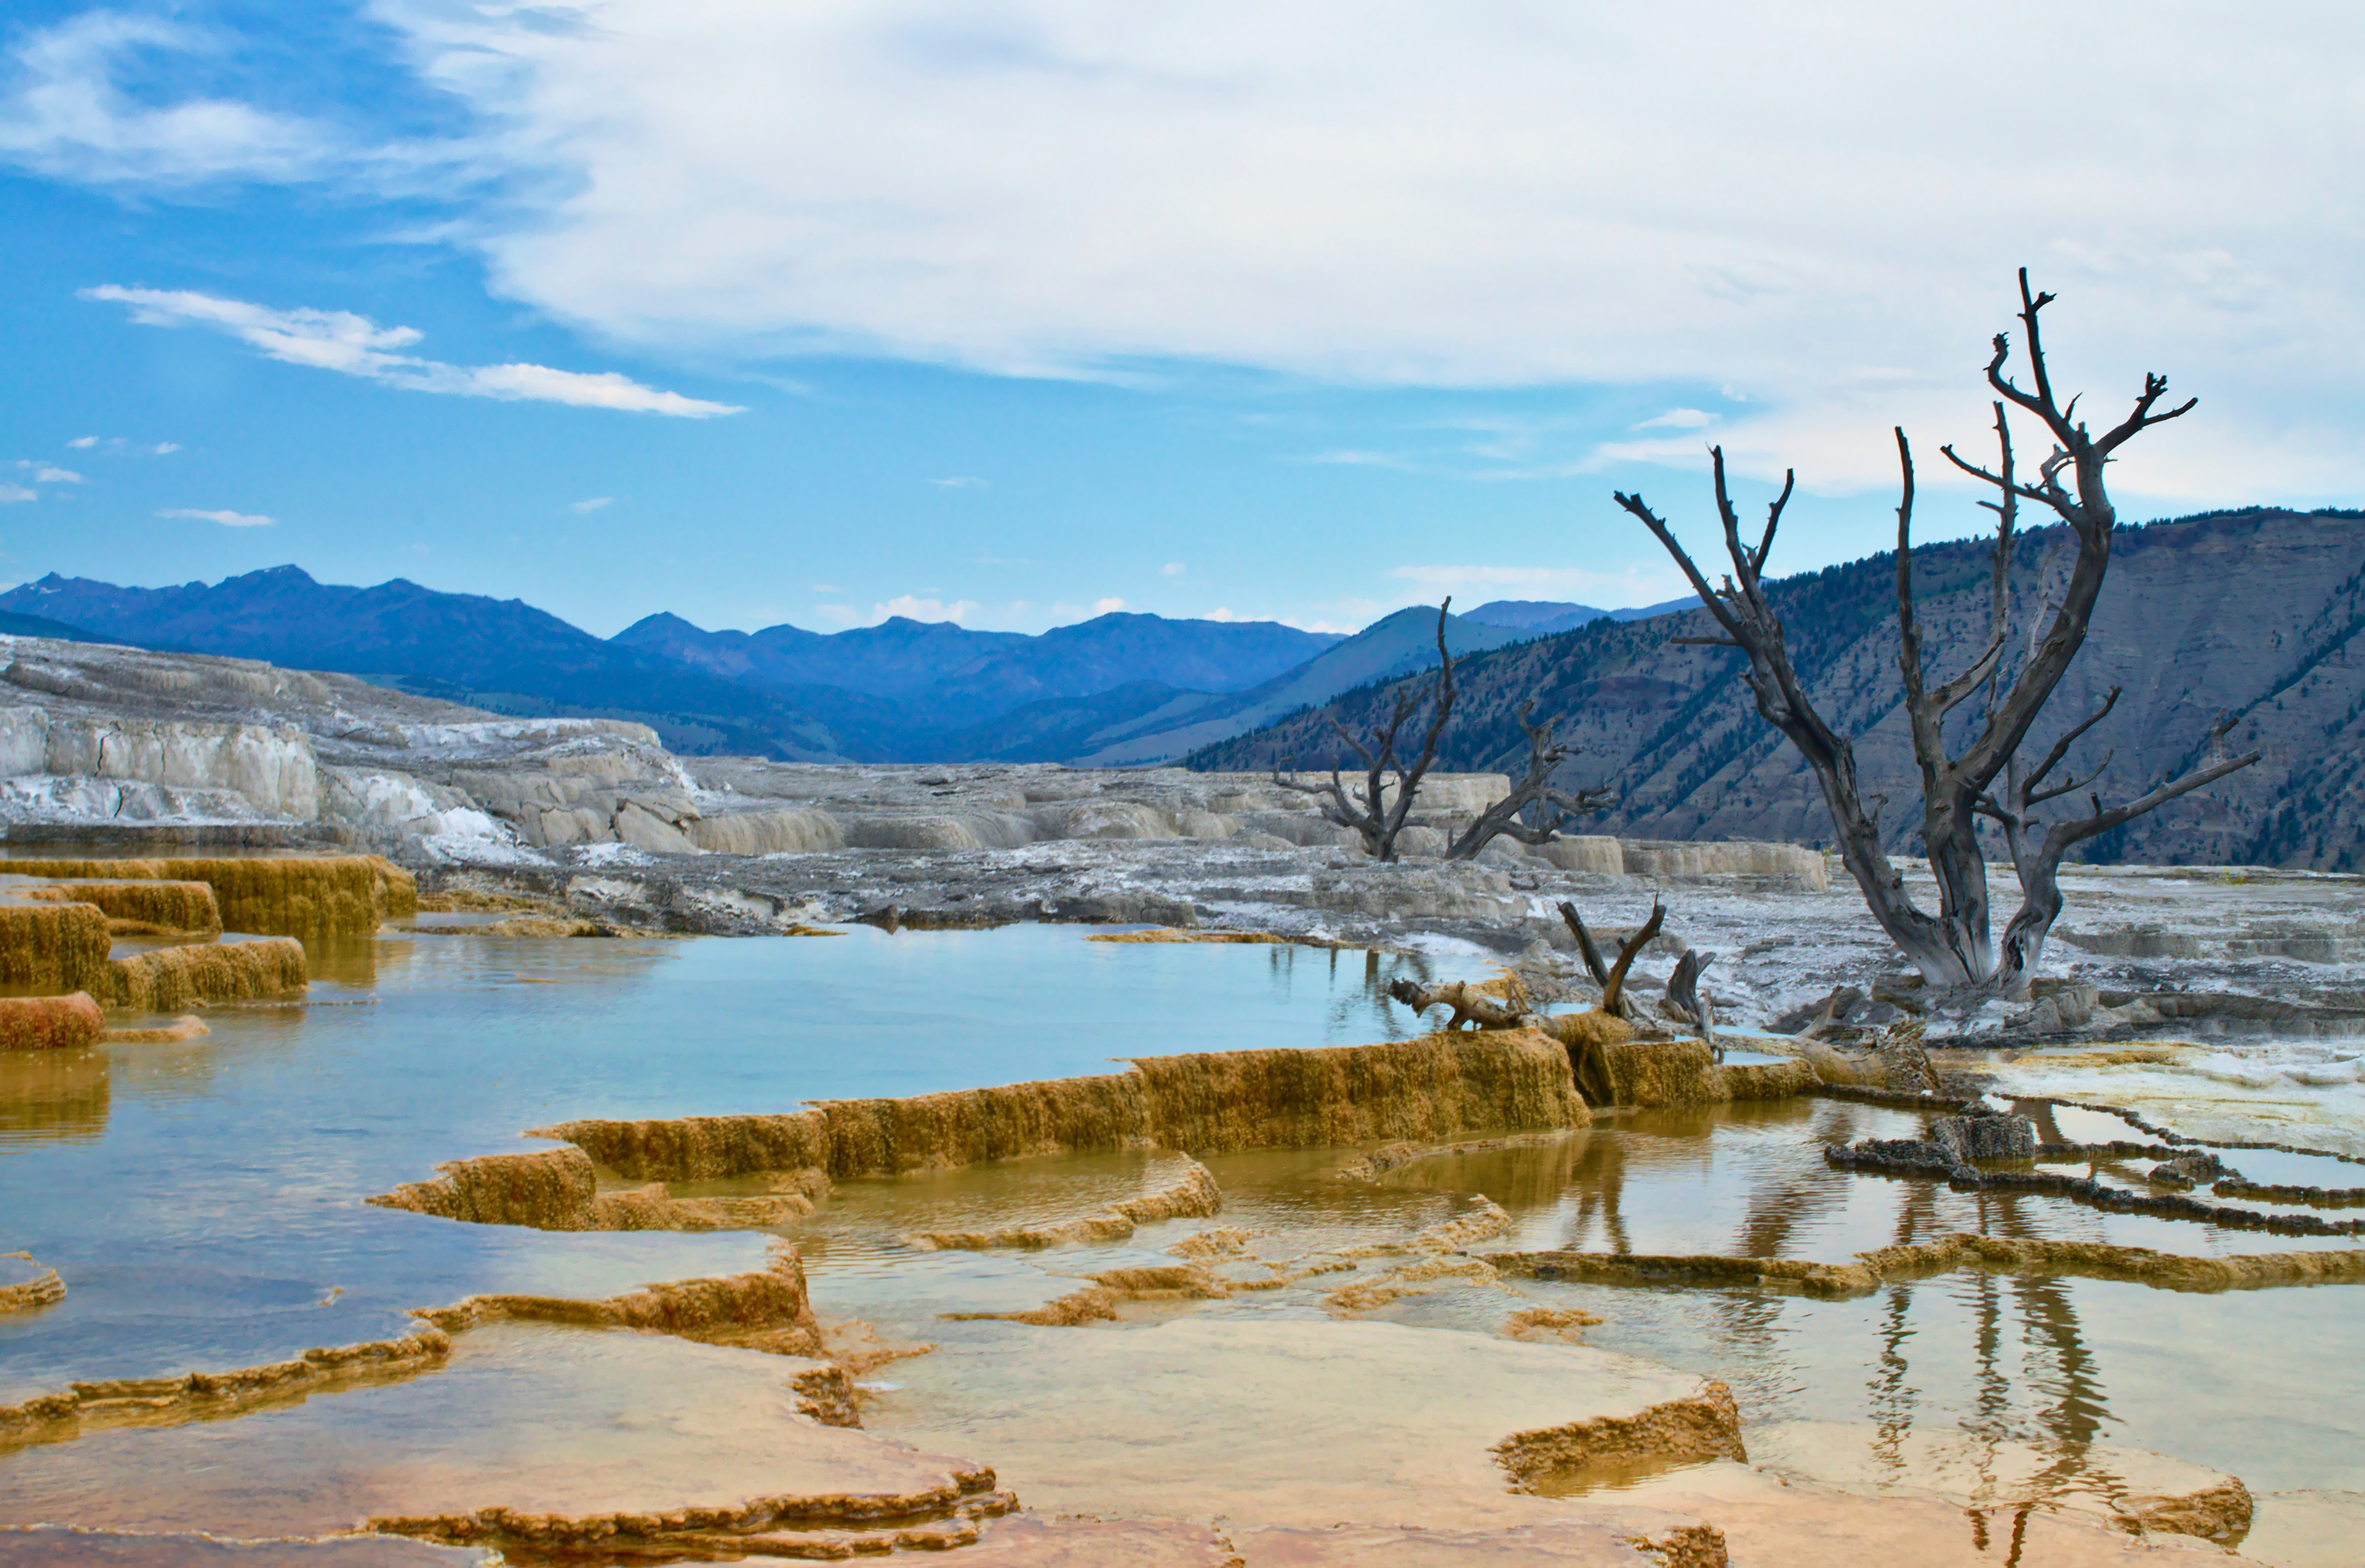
(2257, 611)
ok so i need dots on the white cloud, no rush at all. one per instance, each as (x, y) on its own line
(844, 614)
(85, 441)
(1817, 208)
(1172, 569)
(165, 448)
(227, 519)
(80, 104)
(1355, 459)
(1678, 420)
(67, 117)
(56, 476)
(594, 504)
(963, 482)
(17, 493)
(923, 608)
(1107, 605)
(355, 345)
(827, 588)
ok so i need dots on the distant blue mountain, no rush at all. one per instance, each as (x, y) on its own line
(1393, 645)
(1543, 617)
(946, 675)
(901, 691)
(498, 654)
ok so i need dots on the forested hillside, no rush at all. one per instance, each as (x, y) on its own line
(2254, 613)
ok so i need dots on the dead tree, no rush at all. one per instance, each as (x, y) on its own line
(1370, 812)
(1689, 1004)
(1952, 948)
(1533, 813)
(1611, 977)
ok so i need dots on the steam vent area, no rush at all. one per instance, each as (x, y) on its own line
(1031, 1168)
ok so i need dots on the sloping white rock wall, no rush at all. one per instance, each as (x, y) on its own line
(273, 767)
(1654, 857)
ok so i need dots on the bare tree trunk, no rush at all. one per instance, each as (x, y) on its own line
(1533, 813)
(1952, 948)
(1370, 812)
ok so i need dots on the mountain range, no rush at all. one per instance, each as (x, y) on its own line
(2255, 614)
(1115, 689)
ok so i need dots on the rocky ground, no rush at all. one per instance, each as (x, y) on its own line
(596, 821)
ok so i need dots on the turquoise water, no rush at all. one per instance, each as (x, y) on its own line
(203, 1199)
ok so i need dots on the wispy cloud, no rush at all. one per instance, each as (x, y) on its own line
(355, 345)
(56, 476)
(164, 448)
(1611, 589)
(83, 442)
(594, 504)
(1172, 569)
(923, 608)
(1353, 458)
(9, 493)
(1677, 420)
(227, 519)
(1107, 605)
(959, 482)
(90, 100)
(69, 118)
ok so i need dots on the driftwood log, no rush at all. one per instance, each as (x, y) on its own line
(1471, 1005)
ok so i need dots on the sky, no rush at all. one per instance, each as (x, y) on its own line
(1018, 311)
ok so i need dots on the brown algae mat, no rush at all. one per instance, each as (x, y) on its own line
(53, 948)
(145, 908)
(324, 895)
(165, 979)
(1430, 1088)
(51, 1022)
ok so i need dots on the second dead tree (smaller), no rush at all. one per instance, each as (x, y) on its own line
(1370, 812)
(1533, 813)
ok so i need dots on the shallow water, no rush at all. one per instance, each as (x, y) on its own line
(203, 1201)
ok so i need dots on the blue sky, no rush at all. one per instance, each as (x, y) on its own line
(1014, 312)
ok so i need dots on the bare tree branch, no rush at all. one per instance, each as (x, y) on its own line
(1953, 947)
(1593, 963)
(1533, 813)
(1613, 990)
(1374, 818)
